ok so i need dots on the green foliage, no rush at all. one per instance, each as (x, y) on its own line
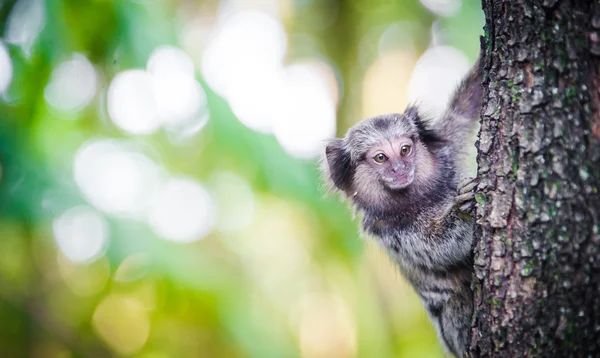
(293, 281)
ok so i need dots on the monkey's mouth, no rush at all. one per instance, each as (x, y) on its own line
(397, 182)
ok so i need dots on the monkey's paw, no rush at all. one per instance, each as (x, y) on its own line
(465, 193)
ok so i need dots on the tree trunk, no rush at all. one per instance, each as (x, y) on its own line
(537, 248)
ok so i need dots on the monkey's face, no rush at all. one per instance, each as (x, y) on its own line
(382, 157)
(391, 162)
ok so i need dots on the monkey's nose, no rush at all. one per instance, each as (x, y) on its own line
(398, 166)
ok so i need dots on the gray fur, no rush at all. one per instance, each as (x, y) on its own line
(421, 226)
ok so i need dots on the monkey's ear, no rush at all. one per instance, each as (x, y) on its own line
(339, 163)
(426, 132)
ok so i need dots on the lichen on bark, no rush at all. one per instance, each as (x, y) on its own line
(537, 246)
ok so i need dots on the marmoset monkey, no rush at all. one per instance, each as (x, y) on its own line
(404, 175)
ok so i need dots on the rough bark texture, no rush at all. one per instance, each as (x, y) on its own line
(537, 255)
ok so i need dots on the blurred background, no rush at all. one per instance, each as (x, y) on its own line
(159, 192)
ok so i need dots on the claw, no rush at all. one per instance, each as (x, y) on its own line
(465, 197)
(466, 207)
(465, 194)
(467, 184)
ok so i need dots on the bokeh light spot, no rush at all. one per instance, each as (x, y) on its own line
(435, 77)
(72, 84)
(6, 69)
(133, 267)
(24, 24)
(246, 46)
(166, 60)
(123, 323)
(131, 102)
(326, 327)
(442, 7)
(250, 85)
(165, 94)
(295, 103)
(257, 102)
(309, 116)
(281, 267)
(84, 279)
(81, 234)
(179, 97)
(384, 88)
(183, 211)
(115, 178)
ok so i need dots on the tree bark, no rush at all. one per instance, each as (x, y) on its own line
(537, 246)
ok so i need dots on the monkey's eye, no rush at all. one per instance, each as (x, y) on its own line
(380, 158)
(405, 150)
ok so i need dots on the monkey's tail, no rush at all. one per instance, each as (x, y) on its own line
(462, 115)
